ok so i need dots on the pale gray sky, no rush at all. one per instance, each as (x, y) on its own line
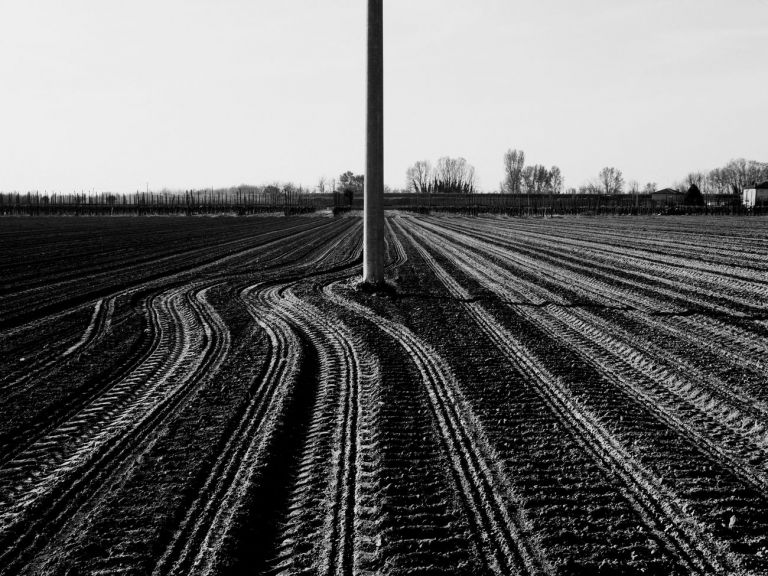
(109, 95)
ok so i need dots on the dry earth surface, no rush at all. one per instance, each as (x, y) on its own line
(219, 396)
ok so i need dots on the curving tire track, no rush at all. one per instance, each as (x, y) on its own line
(344, 507)
(64, 472)
(208, 520)
(320, 531)
(500, 536)
(39, 363)
(85, 406)
(164, 271)
(100, 322)
(213, 516)
(146, 353)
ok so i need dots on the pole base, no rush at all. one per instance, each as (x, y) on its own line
(382, 287)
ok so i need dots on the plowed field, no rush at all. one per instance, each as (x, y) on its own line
(220, 396)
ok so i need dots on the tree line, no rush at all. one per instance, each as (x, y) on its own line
(732, 178)
(533, 179)
(447, 176)
(456, 175)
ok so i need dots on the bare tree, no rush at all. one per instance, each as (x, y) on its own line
(272, 192)
(634, 190)
(743, 173)
(454, 175)
(350, 181)
(321, 184)
(733, 177)
(695, 179)
(290, 188)
(536, 179)
(611, 180)
(419, 176)
(592, 187)
(528, 180)
(718, 181)
(555, 180)
(514, 162)
(649, 188)
(543, 179)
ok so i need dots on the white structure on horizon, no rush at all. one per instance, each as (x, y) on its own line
(756, 195)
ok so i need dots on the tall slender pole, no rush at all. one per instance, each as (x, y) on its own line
(373, 209)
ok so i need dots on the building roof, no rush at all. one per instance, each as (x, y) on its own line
(762, 186)
(667, 191)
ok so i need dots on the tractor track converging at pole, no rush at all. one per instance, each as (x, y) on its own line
(523, 396)
(505, 547)
(210, 518)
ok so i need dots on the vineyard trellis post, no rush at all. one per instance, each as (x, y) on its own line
(373, 207)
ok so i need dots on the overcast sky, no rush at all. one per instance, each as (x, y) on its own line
(112, 95)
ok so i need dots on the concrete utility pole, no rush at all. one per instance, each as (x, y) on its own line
(373, 207)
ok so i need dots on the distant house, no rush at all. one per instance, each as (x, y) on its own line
(757, 195)
(667, 196)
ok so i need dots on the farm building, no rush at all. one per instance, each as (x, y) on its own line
(667, 196)
(757, 195)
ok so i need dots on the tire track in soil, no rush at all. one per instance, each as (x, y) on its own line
(142, 375)
(681, 289)
(186, 266)
(646, 253)
(100, 322)
(217, 512)
(50, 360)
(319, 528)
(743, 350)
(500, 536)
(724, 423)
(181, 552)
(210, 517)
(338, 419)
(736, 346)
(413, 509)
(643, 306)
(26, 364)
(46, 449)
(657, 508)
(407, 503)
(71, 406)
(728, 339)
(111, 437)
(686, 495)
